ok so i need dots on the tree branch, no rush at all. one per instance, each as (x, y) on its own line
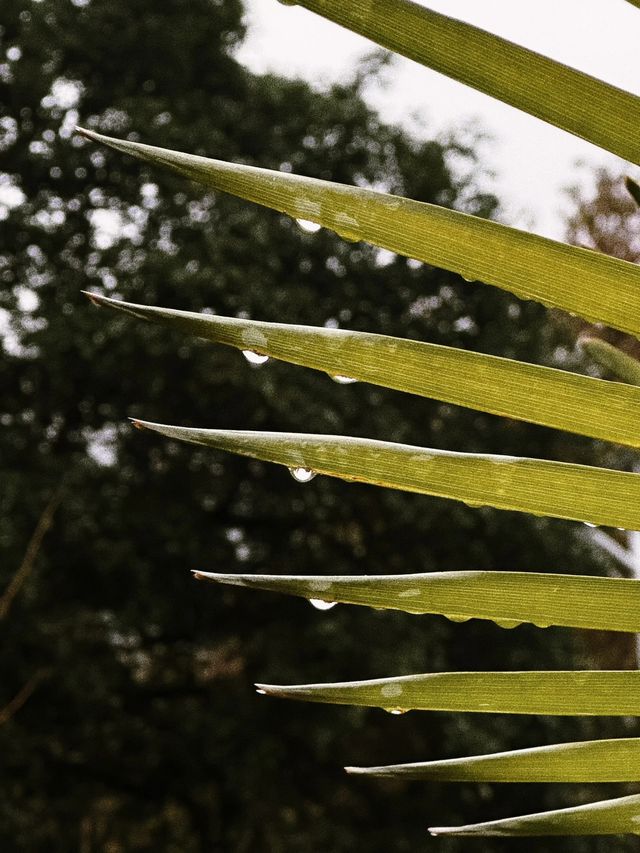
(33, 549)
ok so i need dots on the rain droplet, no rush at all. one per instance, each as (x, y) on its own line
(254, 357)
(397, 711)
(302, 475)
(320, 604)
(589, 524)
(466, 278)
(342, 380)
(507, 623)
(454, 617)
(306, 224)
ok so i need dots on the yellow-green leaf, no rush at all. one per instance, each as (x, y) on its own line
(588, 761)
(593, 285)
(613, 359)
(540, 86)
(608, 817)
(562, 490)
(572, 693)
(605, 604)
(632, 187)
(555, 398)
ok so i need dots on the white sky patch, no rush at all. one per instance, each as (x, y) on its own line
(102, 445)
(109, 226)
(533, 160)
(10, 195)
(64, 94)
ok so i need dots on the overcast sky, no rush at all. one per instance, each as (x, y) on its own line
(533, 161)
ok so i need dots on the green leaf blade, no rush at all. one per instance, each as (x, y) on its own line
(608, 817)
(500, 386)
(515, 75)
(571, 693)
(613, 359)
(616, 760)
(577, 492)
(574, 601)
(595, 286)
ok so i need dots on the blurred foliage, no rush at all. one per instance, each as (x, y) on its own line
(607, 219)
(146, 733)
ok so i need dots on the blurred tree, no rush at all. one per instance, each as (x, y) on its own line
(146, 734)
(608, 220)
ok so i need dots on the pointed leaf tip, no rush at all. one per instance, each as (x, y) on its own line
(88, 134)
(633, 189)
(269, 689)
(95, 298)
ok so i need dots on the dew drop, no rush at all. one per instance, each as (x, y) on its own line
(342, 380)
(473, 504)
(397, 711)
(454, 617)
(589, 524)
(507, 623)
(320, 604)
(466, 278)
(254, 357)
(306, 224)
(260, 691)
(302, 475)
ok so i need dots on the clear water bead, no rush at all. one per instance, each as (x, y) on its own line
(308, 226)
(343, 380)
(302, 475)
(320, 604)
(254, 357)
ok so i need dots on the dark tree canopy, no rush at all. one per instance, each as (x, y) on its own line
(143, 731)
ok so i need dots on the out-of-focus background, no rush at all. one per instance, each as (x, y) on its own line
(128, 720)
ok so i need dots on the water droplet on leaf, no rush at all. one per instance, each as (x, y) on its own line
(254, 357)
(320, 604)
(342, 380)
(302, 475)
(306, 224)
(507, 623)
